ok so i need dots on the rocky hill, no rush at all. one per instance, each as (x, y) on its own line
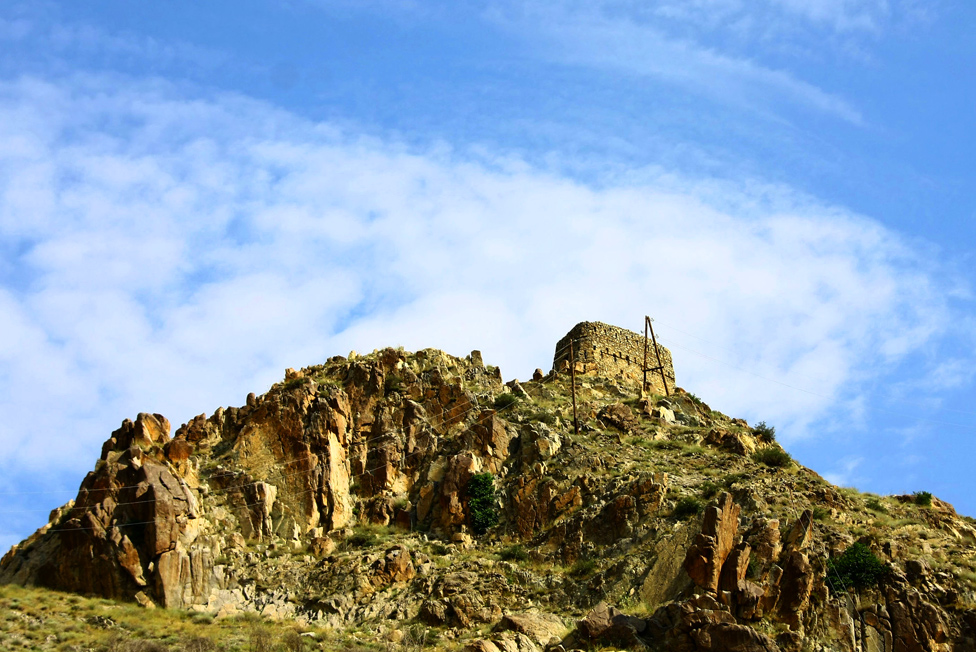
(416, 497)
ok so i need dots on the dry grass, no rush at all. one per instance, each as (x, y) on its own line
(40, 619)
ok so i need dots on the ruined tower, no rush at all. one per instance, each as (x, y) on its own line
(605, 350)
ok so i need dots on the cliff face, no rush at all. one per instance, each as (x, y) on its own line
(341, 497)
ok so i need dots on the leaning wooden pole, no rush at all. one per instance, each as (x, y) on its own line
(572, 373)
(644, 386)
(660, 365)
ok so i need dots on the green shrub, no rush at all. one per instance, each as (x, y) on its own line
(922, 498)
(753, 569)
(393, 384)
(667, 445)
(439, 549)
(505, 401)
(545, 417)
(708, 489)
(261, 638)
(687, 506)
(513, 553)
(732, 478)
(289, 385)
(764, 433)
(876, 505)
(364, 539)
(202, 618)
(482, 512)
(858, 567)
(582, 568)
(294, 642)
(775, 457)
(820, 513)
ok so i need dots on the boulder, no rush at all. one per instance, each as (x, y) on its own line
(609, 624)
(619, 416)
(542, 628)
(729, 637)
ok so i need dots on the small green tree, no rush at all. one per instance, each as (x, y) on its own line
(922, 498)
(482, 513)
(857, 567)
(764, 433)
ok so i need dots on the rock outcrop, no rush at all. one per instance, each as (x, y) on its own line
(340, 497)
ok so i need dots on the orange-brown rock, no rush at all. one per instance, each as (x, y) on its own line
(394, 568)
(491, 439)
(712, 546)
(764, 538)
(453, 498)
(796, 584)
(735, 567)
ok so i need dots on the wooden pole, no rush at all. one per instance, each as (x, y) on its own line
(660, 365)
(572, 372)
(644, 386)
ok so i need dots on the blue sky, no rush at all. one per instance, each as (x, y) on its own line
(194, 196)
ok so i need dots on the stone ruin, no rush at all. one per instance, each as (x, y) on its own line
(604, 350)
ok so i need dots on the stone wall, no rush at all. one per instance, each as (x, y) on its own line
(613, 352)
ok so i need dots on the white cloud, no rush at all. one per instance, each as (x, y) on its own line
(620, 41)
(186, 251)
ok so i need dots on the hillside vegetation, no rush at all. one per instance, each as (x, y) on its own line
(414, 501)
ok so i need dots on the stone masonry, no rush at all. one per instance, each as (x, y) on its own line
(614, 352)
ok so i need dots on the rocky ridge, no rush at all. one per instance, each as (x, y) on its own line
(339, 497)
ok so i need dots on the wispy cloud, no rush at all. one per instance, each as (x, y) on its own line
(170, 254)
(635, 45)
(845, 473)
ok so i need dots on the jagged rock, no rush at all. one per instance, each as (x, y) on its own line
(460, 469)
(619, 416)
(609, 624)
(664, 414)
(764, 538)
(712, 546)
(667, 577)
(172, 577)
(491, 439)
(515, 642)
(735, 442)
(801, 532)
(395, 567)
(735, 567)
(701, 624)
(917, 569)
(516, 387)
(143, 601)
(748, 598)
(795, 586)
(916, 625)
(728, 637)
(366, 461)
(542, 628)
(321, 546)
(481, 645)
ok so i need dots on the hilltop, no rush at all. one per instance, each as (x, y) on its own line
(417, 500)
